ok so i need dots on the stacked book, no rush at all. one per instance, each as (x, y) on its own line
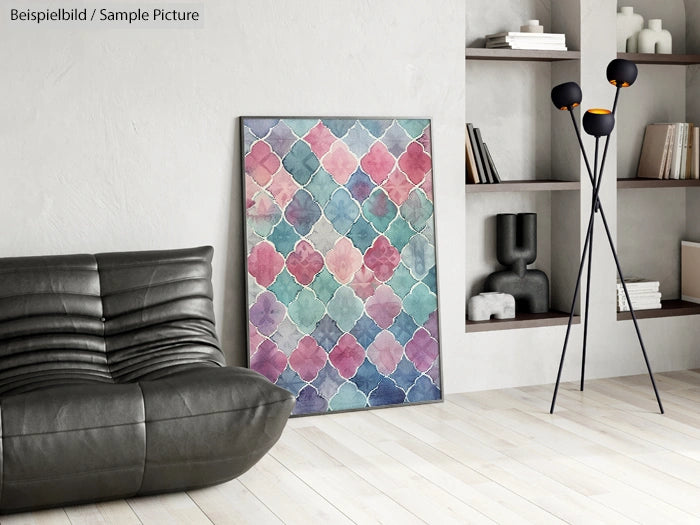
(670, 151)
(644, 294)
(526, 40)
(480, 166)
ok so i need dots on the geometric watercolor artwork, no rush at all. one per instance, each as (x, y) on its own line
(340, 260)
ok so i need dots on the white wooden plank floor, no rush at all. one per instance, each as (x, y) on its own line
(605, 456)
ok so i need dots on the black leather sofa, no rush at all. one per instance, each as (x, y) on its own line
(113, 384)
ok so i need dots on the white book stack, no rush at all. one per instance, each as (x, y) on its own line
(525, 40)
(644, 294)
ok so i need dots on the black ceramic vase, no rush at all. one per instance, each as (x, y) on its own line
(516, 238)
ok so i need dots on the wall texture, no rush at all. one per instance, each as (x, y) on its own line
(126, 138)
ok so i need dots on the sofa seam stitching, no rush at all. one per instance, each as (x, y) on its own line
(65, 431)
(160, 283)
(145, 438)
(21, 481)
(251, 407)
(135, 423)
(145, 264)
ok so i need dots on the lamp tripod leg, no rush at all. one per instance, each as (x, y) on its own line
(595, 204)
(634, 317)
(586, 245)
(588, 295)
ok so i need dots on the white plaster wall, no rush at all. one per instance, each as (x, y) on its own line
(126, 138)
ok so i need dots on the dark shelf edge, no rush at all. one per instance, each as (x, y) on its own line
(520, 55)
(656, 183)
(672, 308)
(524, 185)
(552, 318)
(651, 58)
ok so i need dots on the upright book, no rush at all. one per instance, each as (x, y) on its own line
(492, 164)
(669, 152)
(472, 171)
(678, 150)
(695, 168)
(689, 156)
(655, 151)
(487, 167)
(477, 154)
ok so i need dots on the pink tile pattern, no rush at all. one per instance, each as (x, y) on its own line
(264, 263)
(340, 251)
(261, 163)
(308, 359)
(344, 260)
(304, 263)
(340, 162)
(347, 356)
(378, 162)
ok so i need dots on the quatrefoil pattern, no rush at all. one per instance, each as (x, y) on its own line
(342, 284)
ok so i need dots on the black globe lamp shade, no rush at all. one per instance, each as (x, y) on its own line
(566, 96)
(621, 72)
(598, 122)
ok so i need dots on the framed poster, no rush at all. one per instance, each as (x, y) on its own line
(340, 260)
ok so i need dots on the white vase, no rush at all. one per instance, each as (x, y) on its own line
(654, 39)
(629, 25)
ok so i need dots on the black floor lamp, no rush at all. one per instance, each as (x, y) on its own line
(598, 123)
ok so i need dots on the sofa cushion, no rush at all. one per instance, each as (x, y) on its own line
(71, 443)
(158, 311)
(209, 425)
(51, 330)
(112, 381)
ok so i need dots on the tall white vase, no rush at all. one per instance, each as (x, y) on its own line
(629, 25)
(655, 39)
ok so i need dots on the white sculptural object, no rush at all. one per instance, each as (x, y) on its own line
(629, 24)
(532, 26)
(481, 307)
(655, 39)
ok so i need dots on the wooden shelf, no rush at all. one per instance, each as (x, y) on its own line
(671, 308)
(520, 55)
(524, 185)
(656, 183)
(551, 318)
(670, 60)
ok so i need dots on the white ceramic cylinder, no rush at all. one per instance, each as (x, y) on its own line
(629, 25)
(655, 39)
(532, 26)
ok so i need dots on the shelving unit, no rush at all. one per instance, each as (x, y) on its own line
(519, 55)
(538, 157)
(664, 92)
(670, 308)
(529, 184)
(668, 60)
(525, 185)
(525, 148)
(656, 183)
(514, 55)
(526, 320)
